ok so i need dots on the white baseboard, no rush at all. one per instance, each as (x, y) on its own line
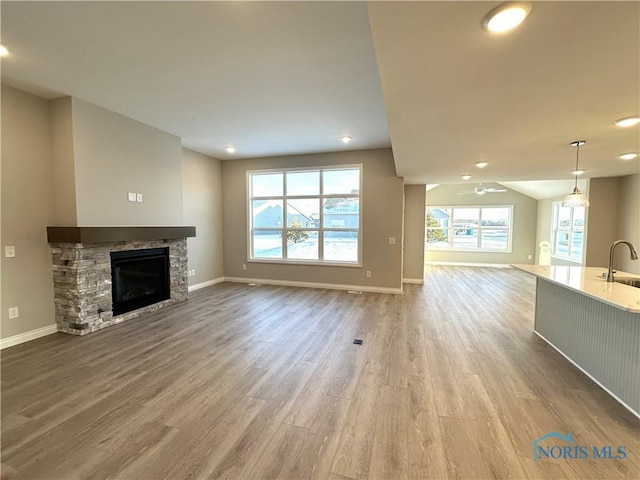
(330, 286)
(26, 336)
(468, 264)
(418, 281)
(198, 286)
(615, 397)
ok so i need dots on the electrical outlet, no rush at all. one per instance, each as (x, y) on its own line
(139, 197)
(392, 240)
(131, 197)
(13, 313)
(368, 274)
(9, 252)
(244, 266)
(530, 257)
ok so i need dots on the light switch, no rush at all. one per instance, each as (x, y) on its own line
(392, 240)
(9, 251)
(131, 196)
(139, 197)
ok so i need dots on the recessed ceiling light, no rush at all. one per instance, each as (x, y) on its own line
(628, 121)
(230, 149)
(346, 138)
(578, 172)
(465, 176)
(481, 164)
(506, 16)
(628, 156)
(3, 51)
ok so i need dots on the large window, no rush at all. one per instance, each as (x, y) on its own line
(470, 228)
(305, 215)
(567, 232)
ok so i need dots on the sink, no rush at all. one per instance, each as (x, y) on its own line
(634, 282)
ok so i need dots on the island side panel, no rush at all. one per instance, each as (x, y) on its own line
(603, 340)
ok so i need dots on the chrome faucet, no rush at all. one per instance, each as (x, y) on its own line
(612, 248)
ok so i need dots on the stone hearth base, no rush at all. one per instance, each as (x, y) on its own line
(82, 282)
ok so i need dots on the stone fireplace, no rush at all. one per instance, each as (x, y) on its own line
(82, 272)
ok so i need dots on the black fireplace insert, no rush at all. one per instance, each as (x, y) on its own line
(139, 278)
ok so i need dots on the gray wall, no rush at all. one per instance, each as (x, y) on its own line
(602, 220)
(414, 231)
(64, 174)
(524, 223)
(382, 218)
(27, 207)
(115, 155)
(629, 221)
(202, 192)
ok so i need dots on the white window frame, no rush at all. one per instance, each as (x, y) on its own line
(480, 228)
(320, 229)
(570, 230)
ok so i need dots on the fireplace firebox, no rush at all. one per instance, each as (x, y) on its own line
(139, 278)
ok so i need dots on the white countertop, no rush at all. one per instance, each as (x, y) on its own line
(589, 281)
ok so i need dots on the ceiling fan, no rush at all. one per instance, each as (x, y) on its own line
(480, 190)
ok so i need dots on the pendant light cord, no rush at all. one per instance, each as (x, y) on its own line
(577, 154)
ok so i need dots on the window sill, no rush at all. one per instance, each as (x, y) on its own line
(309, 263)
(474, 250)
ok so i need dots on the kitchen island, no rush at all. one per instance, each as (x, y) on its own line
(595, 324)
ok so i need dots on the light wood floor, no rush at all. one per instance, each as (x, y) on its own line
(264, 382)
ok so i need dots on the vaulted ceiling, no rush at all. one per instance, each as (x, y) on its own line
(278, 78)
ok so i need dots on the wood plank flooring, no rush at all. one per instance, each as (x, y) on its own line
(264, 382)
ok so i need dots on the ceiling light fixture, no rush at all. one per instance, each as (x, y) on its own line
(578, 172)
(627, 122)
(230, 149)
(576, 198)
(466, 176)
(481, 164)
(628, 156)
(3, 51)
(346, 138)
(506, 17)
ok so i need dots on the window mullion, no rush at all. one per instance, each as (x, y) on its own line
(321, 219)
(285, 209)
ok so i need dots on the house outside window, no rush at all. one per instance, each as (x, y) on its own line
(305, 215)
(567, 232)
(486, 228)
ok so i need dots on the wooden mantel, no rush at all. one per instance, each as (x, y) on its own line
(115, 234)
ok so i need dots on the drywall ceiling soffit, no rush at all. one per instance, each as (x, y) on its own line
(542, 189)
(270, 78)
(456, 95)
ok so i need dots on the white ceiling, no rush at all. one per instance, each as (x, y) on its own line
(268, 78)
(277, 78)
(456, 94)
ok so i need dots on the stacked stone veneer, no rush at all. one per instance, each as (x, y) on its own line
(82, 282)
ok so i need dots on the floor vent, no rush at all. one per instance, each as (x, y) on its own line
(254, 284)
(357, 341)
(355, 292)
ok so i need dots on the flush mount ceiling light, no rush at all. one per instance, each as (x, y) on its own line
(627, 122)
(578, 172)
(628, 156)
(230, 149)
(481, 164)
(576, 198)
(346, 138)
(506, 17)
(3, 51)
(465, 176)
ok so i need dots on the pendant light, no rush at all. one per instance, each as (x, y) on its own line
(576, 198)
